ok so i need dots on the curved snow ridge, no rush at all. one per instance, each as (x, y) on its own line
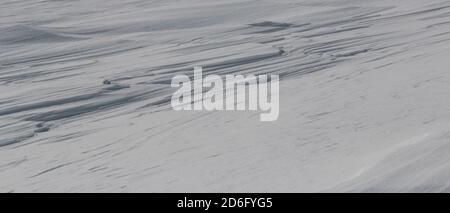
(21, 34)
(421, 164)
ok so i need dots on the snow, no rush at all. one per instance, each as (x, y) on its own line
(364, 93)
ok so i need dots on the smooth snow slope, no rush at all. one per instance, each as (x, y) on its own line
(364, 96)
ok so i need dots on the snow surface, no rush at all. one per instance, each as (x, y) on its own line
(364, 96)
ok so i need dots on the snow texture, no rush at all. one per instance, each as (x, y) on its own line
(85, 96)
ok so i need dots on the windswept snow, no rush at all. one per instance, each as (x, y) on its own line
(85, 96)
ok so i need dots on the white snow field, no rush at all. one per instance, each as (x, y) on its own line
(364, 96)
